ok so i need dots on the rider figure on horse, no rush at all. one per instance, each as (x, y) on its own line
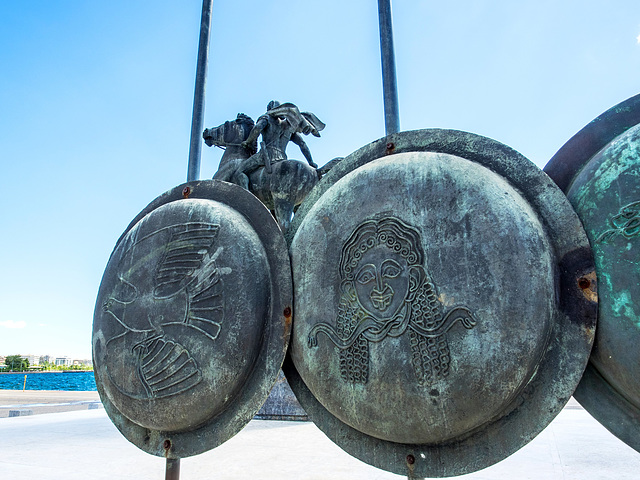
(279, 126)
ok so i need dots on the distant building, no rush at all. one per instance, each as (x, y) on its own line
(86, 362)
(47, 358)
(63, 361)
(32, 359)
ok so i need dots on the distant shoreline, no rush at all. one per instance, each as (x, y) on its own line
(46, 371)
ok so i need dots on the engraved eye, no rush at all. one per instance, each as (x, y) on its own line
(367, 274)
(391, 269)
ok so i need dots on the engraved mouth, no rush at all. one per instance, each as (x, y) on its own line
(381, 299)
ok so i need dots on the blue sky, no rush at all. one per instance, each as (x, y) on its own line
(96, 99)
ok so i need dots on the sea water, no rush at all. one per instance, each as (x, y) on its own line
(48, 381)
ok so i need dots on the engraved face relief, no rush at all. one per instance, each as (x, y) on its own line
(626, 223)
(386, 291)
(166, 301)
(382, 282)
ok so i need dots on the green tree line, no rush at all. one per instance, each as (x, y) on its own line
(52, 366)
(16, 363)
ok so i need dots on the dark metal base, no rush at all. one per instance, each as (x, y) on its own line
(282, 404)
(173, 469)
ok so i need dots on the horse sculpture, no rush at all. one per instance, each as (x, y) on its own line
(281, 190)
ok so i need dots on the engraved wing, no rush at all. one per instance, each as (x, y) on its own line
(206, 307)
(186, 271)
(189, 262)
(189, 244)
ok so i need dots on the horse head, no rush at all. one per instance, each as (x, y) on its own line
(231, 134)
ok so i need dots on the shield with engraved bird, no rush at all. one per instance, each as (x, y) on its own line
(190, 328)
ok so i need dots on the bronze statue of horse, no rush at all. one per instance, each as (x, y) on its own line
(281, 190)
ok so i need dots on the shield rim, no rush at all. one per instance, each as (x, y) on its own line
(594, 392)
(264, 374)
(571, 337)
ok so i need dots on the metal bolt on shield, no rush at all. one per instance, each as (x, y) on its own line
(584, 283)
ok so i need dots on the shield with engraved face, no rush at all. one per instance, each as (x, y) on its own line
(440, 324)
(192, 319)
(599, 169)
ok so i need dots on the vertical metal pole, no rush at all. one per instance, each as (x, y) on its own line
(389, 84)
(197, 120)
(173, 469)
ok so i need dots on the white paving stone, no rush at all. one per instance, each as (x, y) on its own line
(84, 445)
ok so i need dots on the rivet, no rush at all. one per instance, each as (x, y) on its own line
(584, 283)
(186, 191)
(411, 459)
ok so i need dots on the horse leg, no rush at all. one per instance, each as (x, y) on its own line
(240, 178)
(246, 168)
(284, 212)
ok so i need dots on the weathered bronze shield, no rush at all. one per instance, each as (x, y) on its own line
(599, 170)
(441, 316)
(192, 319)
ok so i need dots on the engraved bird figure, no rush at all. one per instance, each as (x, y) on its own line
(626, 223)
(161, 313)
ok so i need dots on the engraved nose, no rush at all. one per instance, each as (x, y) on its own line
(381, 288)
(377, 292)
(379, 284)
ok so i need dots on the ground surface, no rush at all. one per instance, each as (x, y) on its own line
(84, 445)
(45, 401)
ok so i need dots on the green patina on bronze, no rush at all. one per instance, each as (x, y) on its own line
(598, 169)
(192, 319)
(606, 195)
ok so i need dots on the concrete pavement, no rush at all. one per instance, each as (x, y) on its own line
(46, 401)
(85, 445)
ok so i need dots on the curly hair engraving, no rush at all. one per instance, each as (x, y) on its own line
(386, 291)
